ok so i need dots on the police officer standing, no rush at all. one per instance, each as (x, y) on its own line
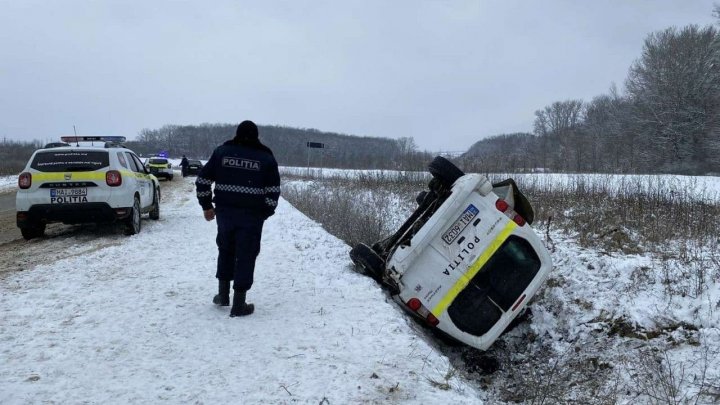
(184, 165)
(247, 189)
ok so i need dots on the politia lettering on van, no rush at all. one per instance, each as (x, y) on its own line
(462, 255)
(240, 163)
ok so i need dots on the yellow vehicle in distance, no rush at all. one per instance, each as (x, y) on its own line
(160, 167)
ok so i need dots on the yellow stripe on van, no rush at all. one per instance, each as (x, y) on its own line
(465, 279)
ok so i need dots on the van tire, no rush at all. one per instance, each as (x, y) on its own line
(370, 262)
(445, 171)
(420, 197)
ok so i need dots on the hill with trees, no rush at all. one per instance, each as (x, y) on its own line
(667, 120)
(289, 146)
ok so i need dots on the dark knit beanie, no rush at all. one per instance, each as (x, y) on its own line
(246, 130)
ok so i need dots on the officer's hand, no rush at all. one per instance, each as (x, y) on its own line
(209, 214)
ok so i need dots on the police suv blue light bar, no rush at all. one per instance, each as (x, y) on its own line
(92, 139)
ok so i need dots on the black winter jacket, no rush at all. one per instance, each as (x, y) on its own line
(246, 176)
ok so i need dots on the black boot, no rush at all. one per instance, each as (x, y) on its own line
(240, 308)
(223, 296)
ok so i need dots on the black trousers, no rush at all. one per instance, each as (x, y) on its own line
(238, 241)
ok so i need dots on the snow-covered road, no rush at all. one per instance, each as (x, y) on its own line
(130, 320)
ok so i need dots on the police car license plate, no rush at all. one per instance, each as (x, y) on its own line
(68, 195)
(460, 224)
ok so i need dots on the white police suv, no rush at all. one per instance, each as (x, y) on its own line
(85, 179)
(466, 261)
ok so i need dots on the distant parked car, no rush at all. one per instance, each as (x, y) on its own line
(194, 167)
(160, 167)
(466, 261)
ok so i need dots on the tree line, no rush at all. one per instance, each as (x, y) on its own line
(14, 155)
(667, 119)
(290, 146)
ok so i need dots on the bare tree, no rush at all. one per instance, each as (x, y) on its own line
(558, 126)
(674, 89)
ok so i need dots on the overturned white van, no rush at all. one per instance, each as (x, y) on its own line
(466, 261)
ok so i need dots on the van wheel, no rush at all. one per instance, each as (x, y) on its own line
(369, 261)
(133, 223)
(32, 232)
(420, 197)
(155, 212)
(445, 171)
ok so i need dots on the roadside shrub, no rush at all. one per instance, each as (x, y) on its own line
(650, 210)
(362, 209)
(658, 378)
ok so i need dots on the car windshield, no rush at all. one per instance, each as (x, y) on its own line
(70, 161)
(194, 162)
(496, 287)
(158, 161)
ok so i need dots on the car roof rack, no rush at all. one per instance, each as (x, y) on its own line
(55, 145)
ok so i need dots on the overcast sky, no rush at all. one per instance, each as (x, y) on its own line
(447, 73)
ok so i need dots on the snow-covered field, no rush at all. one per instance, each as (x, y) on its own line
(8, 183)
(130, 320)
(134, 323)
(706, 188)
